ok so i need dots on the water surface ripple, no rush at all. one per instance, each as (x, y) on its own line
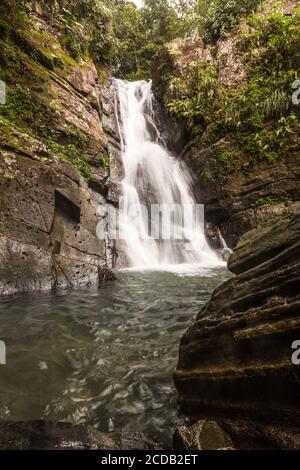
(101, 357)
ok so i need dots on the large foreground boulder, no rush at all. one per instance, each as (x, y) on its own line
(203, 435)
(235, 363)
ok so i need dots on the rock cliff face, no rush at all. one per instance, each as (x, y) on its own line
(59, 158)
(235, 363)
(217, 91)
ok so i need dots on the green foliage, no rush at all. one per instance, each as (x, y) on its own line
(72, 154)
(271, 48)
(272, 40)
(224, 158)
(189, 12)
(222, 16)
(259, 116)
(129, 40)
(140, 33)
(271, 144)
(270, 201)
(194, 98)
(117, 33)
(85, 27)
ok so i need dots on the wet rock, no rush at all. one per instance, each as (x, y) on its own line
(235, 362)
(212, 234)
(217, 242)
(203, 435)
(106, 275)
(44, 435)
(48, 210)
(111, 128)
(235, 202)
(224, 253)
(48, 223)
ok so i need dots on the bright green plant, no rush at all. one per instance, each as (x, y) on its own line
(222, 16)
(270, 201)
(71, 154)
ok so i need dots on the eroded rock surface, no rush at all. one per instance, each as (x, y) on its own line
(47, 225)
(235, 365)
(204, 435)
(59, 160)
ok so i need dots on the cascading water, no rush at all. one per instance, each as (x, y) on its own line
(154, 177)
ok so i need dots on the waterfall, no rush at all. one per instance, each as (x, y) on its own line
(223, 242)
(154, 178)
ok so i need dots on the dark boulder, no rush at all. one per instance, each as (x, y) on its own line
(203, 435)
(235, 365)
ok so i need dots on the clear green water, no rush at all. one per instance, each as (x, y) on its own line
(101, 357)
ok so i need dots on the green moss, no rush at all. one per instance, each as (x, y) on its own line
(270, 201)
(25, 109)
(45, 48)
(26, 115)
(30, 57)
(208, 178)
(224, 157)
(105, 161)
(72, 154)
(8, 136)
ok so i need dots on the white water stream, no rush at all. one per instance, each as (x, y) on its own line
(154, 177)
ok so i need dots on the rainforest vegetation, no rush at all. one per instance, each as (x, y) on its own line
(118, 33)
(124, 40)
(259, 113)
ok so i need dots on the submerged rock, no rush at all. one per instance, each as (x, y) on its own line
(45, 435)
(204, 435)
(235, 363)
